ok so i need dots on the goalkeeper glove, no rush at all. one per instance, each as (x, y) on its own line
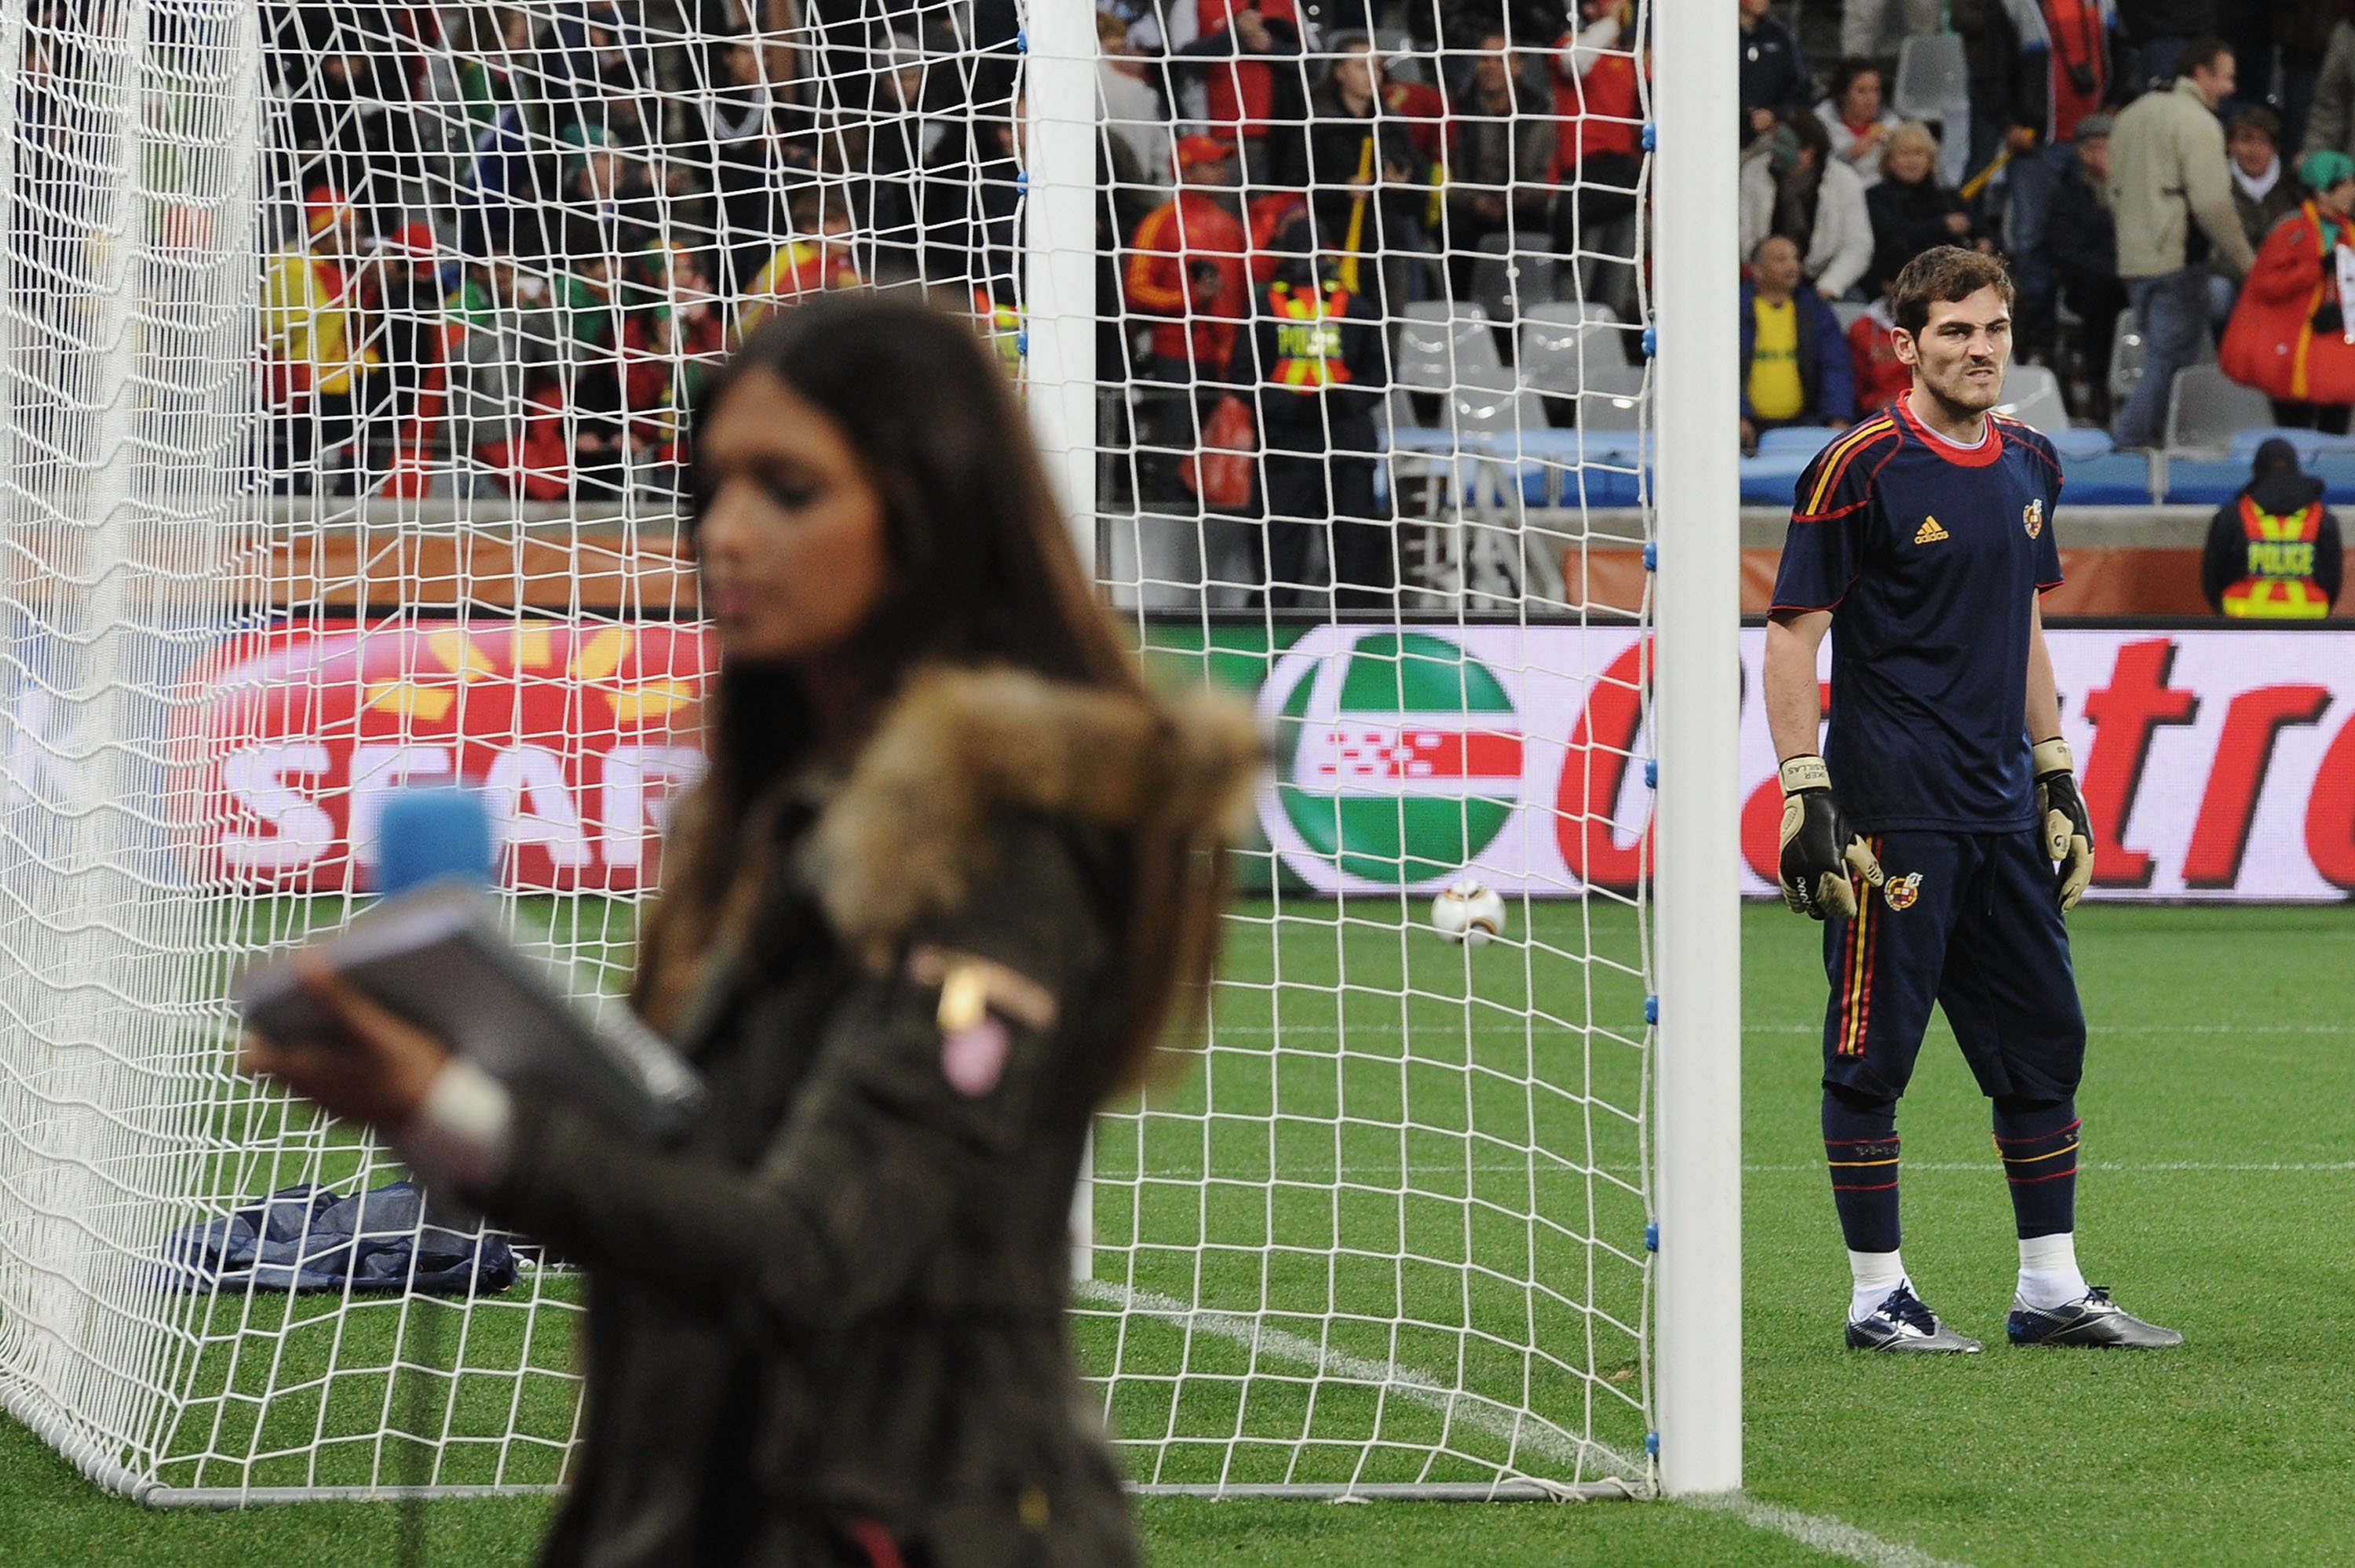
(2060, 812)
(1822, 861)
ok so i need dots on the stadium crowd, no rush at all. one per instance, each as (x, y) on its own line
(517, 237)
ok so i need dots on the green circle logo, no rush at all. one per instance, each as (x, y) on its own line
(1400, 758)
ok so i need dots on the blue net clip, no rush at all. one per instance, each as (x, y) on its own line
(1022, 341)
(1652, 554)
(1652, 1443)
(1651, 136)
(1652, 1236)
(1022, 181)
(1652, 773)
(1022, 47)
(1651, 342)
(1651, 1010)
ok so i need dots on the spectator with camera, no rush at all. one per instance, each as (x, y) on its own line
(1858, 119)
(1799, 190)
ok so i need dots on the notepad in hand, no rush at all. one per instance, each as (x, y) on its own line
(435, 956)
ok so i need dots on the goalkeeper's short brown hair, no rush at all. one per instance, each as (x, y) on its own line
(1947, 272)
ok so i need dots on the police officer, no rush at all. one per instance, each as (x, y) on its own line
(2273, 550)
(1321, 367)
(951, 870)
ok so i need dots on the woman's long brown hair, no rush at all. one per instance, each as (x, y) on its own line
(981, 572)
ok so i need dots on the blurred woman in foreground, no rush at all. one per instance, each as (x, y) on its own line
(952, 874)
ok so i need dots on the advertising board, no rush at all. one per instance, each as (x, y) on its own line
(2217, 764)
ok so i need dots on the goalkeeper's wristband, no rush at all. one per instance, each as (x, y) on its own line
(1801, 774)
(2048, 757)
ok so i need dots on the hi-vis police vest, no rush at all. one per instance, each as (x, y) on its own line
(1308, 336)
(2279, 584)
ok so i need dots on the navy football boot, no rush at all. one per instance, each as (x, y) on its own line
(2092, 1319)
(1904, 1323)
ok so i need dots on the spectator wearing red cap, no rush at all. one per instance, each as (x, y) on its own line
(1186, 268)
(319, 363)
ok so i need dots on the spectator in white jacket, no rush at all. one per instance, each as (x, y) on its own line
(1800, 191)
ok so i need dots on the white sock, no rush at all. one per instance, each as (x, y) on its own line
(2048, 1276)
(1876, 1275)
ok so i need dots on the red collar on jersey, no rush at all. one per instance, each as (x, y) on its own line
(1987, 451)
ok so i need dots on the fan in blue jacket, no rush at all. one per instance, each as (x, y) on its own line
(1827, 375)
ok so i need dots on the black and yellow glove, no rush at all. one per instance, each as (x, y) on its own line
(2060, 816)
(1822, 859)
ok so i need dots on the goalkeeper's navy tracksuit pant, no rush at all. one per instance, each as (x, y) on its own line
(1968, 921)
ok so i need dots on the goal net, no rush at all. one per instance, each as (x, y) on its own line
(350, 353)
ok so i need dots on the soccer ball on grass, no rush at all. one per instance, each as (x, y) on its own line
(1469, 912)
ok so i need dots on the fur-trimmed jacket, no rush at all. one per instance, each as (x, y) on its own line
(830, 1327)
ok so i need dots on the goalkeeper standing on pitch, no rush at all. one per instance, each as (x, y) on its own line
(952, 871)
(1925, 837)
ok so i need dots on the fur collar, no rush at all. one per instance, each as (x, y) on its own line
(910, 827)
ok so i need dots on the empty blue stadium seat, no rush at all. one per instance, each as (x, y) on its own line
(2307, 442)
(2107, 479)
(1768, 478)
(2080, 441)
(2203, 481)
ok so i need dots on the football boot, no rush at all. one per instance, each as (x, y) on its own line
(1904, 1322)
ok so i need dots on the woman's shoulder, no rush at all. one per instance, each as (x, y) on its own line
(988, 786)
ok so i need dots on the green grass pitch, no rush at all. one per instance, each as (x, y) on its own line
(2220, 1167)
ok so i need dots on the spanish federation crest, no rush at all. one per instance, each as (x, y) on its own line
(1902, 891)
(2031, 517)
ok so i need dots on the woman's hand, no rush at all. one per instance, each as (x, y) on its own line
(375, 1072)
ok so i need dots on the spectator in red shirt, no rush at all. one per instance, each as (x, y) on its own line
(1599, 108)
(1186, 268)
(1879, 376)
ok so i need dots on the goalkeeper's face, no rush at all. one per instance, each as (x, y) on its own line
(790, 535)
(1962, 351)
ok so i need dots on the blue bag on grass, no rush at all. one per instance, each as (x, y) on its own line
(311, 1238)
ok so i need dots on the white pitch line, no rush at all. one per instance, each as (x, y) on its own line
(1406, 1383)
(1496, 1168)
(1555, 1026)
(1833, 1537)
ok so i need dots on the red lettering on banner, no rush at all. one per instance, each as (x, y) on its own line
(578, 736)
(2330, 813)
(1594, 771)
(2124, 715)
(2243, 753)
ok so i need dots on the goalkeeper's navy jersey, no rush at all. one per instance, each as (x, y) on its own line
(1930, 556)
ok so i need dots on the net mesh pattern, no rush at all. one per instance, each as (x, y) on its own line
(352, 356)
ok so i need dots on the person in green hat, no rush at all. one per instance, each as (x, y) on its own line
(2291, 337)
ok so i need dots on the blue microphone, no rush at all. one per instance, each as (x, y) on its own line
(432, 835)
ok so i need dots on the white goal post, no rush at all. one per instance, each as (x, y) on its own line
(349, 352)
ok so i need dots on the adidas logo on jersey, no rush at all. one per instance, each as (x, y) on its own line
(1929, 532)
